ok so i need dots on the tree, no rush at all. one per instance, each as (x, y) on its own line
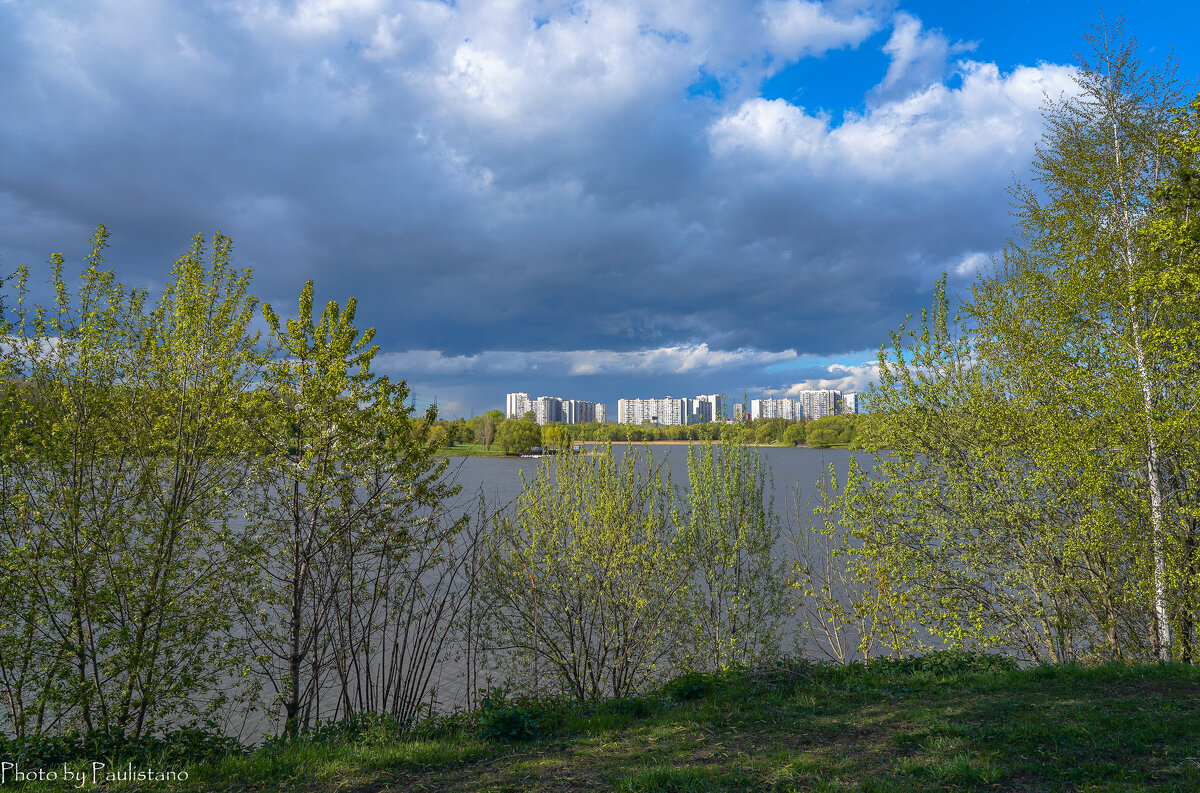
(734, 608)
(126, 438)
(963, 535)
(485, 427)
(766, 432)
(794, 434)
(829, 430)
(346, 467)
(587, 577)
(1077, 306)
(518, 436)
(847, 603)
(556, 436)
(1039, 479)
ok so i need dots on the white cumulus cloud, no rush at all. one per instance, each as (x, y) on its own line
(855, 378)
(679, 359)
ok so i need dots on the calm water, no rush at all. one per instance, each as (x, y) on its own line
(500, 477)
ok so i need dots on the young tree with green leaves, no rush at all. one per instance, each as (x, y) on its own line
(735, 606)
(125, 438)
(587, 579)
(518, 436)
(1076, 310)
(345, 469)
(1038, 477)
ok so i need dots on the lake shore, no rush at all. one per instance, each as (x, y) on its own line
(469, 451)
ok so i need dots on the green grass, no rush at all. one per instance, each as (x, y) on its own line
(471, 450)
(916, 726)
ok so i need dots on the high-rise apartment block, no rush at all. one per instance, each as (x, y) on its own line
(806, 406)
(666, 411)
(708, 407)
(663, 411)
(548, 409)
(517, 405)
(579, 411)
(770, 408)
(819, 403)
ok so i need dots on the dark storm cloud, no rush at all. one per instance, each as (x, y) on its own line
(524, 178)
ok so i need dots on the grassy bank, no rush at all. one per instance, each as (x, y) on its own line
(940, 724)
(471, 450)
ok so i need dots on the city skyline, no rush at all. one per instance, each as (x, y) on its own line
(669, 410)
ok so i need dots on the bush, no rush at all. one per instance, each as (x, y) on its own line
(690, 686)
(176, 747)
(587, 577)
(947, 662)
(509, 721)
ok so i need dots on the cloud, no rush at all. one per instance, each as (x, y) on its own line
(520, 184)
(698, 359)
(920, 141)
(919, 58)
(797, 28)
(856, 378)
(972, 264)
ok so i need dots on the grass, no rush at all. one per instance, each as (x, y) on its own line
(945, 726)
(471, 450)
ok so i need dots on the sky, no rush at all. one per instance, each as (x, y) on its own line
(591, 200)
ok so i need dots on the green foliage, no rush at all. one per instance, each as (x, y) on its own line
(795, 433)
(175, 747)
(556, 436)
(135, 432)
(734, 608)
(506, 720)
(586, 578)
(1038, 492)
(690, 686)
(518, 436)
(347, 470)
(483, 428)
(830, 430)
(361, 728)
(850, 604)
(945, 662)
(119, 568)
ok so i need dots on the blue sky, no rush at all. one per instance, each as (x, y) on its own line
(588, 199)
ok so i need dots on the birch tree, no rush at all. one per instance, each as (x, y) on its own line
(1069, 304)
(1039, 488)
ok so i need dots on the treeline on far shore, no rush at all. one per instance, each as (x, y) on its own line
(517, 436)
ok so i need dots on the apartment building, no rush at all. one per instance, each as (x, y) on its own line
(517, 405)
(663, 411)
(548, 409)
(776, 408)
(818, 403)
(708, 407)
(805, 406)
